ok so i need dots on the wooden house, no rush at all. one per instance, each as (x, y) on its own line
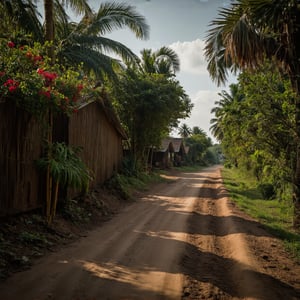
(179, 151)
(94, 127)
(97, 130)
(170, 153)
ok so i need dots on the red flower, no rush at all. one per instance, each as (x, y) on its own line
(29, 54)
(79, 87)
(40, 71)
(8, 82)
(46, 93)
(11, 84)
(2, 74)
(49, 76)
(37, 58)
(11, 44)
(12, 88)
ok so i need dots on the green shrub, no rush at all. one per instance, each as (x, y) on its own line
(267, 190)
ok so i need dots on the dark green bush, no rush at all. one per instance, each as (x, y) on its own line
(267, 190)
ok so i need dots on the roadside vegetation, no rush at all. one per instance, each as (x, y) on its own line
(275, 214)
(257, 120)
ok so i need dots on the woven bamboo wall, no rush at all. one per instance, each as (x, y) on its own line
(101, 142)
(20, 146)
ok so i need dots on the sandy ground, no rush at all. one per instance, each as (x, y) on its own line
(181, 240)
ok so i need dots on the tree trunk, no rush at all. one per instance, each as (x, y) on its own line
(49, 25)
(296, 181)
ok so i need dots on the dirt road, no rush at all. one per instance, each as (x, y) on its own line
(183, 240)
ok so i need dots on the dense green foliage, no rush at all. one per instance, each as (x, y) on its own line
(35, 85)
(148, 105)
(246, 36)
(82, 42)
(256, 127)
(199, 145)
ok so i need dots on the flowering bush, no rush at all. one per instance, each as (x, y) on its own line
(27, 77)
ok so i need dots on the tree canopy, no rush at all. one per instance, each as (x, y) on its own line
(149, 105)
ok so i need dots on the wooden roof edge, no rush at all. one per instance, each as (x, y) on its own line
(109, 111)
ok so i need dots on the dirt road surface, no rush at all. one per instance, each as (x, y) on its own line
(183, 239)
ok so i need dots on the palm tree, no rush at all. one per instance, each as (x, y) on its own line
(19, 16)
(163, 61)
(86, 42)
(185, 131)
(82, 42)
(198, 130)
(249, 32)
(224, 107)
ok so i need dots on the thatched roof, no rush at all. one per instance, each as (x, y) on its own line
(171, 143)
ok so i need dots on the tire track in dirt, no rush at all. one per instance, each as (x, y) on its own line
(222, 260)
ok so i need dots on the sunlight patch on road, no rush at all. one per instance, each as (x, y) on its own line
(177, 236)
(169, 177)
(143, 279)
(196, 185)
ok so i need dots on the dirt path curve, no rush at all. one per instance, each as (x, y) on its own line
(183, 240)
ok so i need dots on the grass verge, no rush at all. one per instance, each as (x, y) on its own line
(277, 216)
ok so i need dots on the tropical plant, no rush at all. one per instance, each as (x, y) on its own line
(66, 169)
(248, 32)
(198, 144)
(83, 42)
(148, 106)
(86, 42)
(163, 61)
(184, 130)
(20, 16)
(198, 130)
(27, 78)
(222, 108)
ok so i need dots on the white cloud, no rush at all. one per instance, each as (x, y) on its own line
(191, 55)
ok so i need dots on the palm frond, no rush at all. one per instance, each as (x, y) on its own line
(168, 54)
(24, 15)
(112, 16)
(80, 7)
(92, 60)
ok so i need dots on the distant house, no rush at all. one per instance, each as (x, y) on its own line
(170, 153)
(179, 151)
(161, 157)
(94, 127)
